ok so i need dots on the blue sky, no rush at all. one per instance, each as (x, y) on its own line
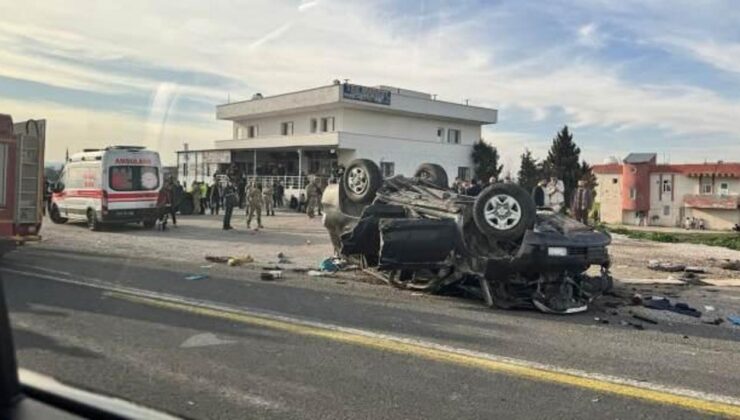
(625, 76)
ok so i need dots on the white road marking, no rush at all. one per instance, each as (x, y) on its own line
(101, 285)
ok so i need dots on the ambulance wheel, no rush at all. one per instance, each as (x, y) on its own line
(56, 217)
(92, 220)
(149, 223)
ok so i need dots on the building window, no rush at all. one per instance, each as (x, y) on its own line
(387, 169)
(314, 125)
(666, 210)
(453, 136)
(240, 132)
(667, 185)
(614, 180)
(633, 194)
(706, 188)
(327, 124)
(724, 188)
(252, 131)
(286, 128)
(440, 133)
(3, 165)
(463, 172)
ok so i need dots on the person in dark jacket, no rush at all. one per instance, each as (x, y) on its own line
(215, 198)
(538, 194)
(230, 200)
(474, 188)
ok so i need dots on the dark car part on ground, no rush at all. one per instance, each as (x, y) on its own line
(497, 246)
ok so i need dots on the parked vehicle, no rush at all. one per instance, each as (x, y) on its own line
(424, 236)
(115, 185)
(21, 180)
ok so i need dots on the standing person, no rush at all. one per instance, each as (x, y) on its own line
(581, 202)
(254, 204)
(313, 192)
(196, 197)
(203, 197)
(556, 194)
(280, 191)
(230, 200)
(169, 189)
(474, 189)
(268, 200)
(178, 193)
(215, 197)
(275, 202)
(242, 191)
(538, 194)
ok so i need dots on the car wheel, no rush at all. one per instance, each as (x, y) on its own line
(55, 216)
(92, 220)
(504, 211)
(431, 172)
(361, 180)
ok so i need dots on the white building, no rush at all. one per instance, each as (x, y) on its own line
(311, 132)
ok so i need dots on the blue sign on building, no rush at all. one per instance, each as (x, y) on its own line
(366, 94)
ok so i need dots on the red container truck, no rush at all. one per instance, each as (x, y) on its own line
(21, 181)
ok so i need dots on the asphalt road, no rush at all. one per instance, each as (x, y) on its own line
(232, 346)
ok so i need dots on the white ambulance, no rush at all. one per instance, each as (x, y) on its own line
(115, 185)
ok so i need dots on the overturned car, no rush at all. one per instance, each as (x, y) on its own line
(422, 235)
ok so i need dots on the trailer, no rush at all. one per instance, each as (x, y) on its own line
(21, 181)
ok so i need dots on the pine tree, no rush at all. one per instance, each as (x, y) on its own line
(587, 174)
(485, 160)
(529, 171)
(563, 161)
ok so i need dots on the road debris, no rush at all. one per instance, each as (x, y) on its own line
(664, 304)
(271, 275)
(237, 261)
(715, 321)
(735, 319)
(282, 258)
(668, 266)
(730, 265)
(217, 259)
(708, 308)
(194, 277)
(645, 319)
(316, 273)
(695, 269)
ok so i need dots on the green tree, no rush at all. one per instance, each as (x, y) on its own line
(485, 161)
(563, 161)
(530, 171)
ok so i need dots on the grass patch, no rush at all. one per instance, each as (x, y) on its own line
(726, 240)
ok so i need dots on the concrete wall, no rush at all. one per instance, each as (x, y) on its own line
(406, 155)
(660, 201)
(373, 123)
(608, 195)
(271, 126)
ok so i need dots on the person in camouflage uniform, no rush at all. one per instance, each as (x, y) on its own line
(313, 194)
(254, 203)
(267, 198)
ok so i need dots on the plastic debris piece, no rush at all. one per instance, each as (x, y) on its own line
(715, 321)
(196, 277)
(329, 265)
(708, 308)
(236, 261)
(735, 319)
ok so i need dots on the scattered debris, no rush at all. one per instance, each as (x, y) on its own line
(692, 278)
(216, 259)
(636, 299)
(645, 319)
(271, 275)
(271, 267)
(316, 273)
(196, 277)
(708, 308)
(715, 321)
(282, 258)
(236, 261)
(330, 265)
(670, 267)
(664, 304)
(735, 319)
(695, 269)
(730, 265)
(299, 270)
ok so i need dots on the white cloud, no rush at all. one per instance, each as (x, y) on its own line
(275, 47)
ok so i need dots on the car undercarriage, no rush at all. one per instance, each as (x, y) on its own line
(421, 235)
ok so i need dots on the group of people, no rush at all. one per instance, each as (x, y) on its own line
(551, 194)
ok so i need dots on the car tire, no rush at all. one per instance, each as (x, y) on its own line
(92, 221)
(361, 180)
(504, 211)
(431, 172)
(55, 216)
